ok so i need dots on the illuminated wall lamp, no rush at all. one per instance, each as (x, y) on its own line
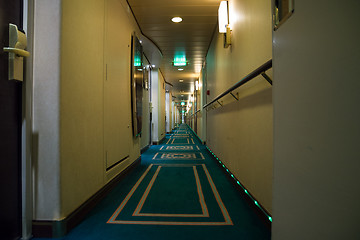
(223, 15)
(197, 85)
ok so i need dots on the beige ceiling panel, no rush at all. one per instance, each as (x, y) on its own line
(185, 39)
(158, 19)
(182, 11)
(167, 26)
(135, 3)
(175, 33)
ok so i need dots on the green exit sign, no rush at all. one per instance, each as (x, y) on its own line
(179, 61)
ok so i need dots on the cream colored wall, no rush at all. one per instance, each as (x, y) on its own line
(154, 105)
(81, 109)
(202, 100)
(145, 132)
(167, 111)
(161, 110)
(241, 132)
(117, 110)
(200, 115)
(158, 105)
(95, 97)
(170, 111)
(316, 122)
(173, 115)
(45, 111)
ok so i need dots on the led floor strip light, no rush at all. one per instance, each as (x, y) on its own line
(238, 182)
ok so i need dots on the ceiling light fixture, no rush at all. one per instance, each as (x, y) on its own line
(176, 19)
(180, 69)
(181, 80)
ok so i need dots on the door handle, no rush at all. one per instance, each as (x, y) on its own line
(16, 50)
(19, 52)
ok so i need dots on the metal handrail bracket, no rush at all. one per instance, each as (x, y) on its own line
(234, 96)
(267, 78)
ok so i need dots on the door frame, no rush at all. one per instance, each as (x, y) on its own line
(26, 138)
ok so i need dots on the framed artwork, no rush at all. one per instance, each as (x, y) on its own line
(137, 78)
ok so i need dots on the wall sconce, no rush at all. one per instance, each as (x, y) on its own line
(197, 85)
(223, 15)
(191, 99)
(192, 88)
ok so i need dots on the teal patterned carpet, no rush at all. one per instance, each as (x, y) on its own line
(177, 192)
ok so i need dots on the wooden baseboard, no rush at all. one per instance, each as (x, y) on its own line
(57, 229)
(144, 149)
(158, 142)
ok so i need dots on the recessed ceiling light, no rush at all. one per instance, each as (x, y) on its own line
(176, 19)
(181, 80)
(180, 69)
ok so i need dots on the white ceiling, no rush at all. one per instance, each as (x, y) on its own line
(192, 36)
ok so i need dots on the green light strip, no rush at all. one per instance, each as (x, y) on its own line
(235, 179)
(238, 182)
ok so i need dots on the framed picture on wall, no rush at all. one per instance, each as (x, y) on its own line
(136, 84)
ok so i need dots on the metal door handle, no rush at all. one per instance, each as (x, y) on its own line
(17, 51)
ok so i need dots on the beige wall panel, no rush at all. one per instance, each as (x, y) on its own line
(167, 111)
(81, 101)
(199, 104)
(75, 65)
(240, 132)
(95, 110)
(202, 99)
(170, 111)
(124, 24)
(155, 105)
(161, 110)
(46, 115)
(117, 84)
(145, 132)
(316, 122)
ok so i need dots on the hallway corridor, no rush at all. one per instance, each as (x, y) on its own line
(181, 119)
(178, 191)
